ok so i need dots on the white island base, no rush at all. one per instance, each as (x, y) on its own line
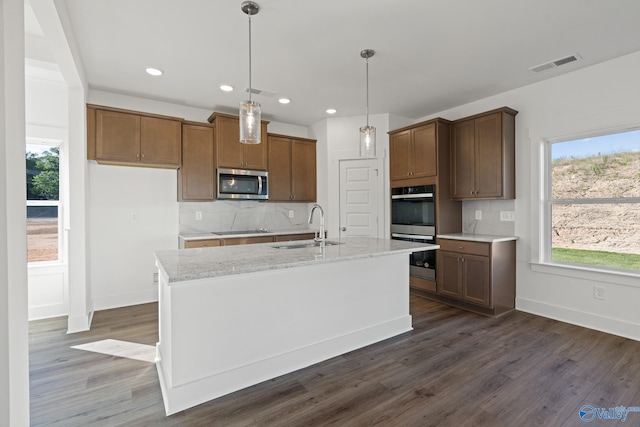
(222, 334)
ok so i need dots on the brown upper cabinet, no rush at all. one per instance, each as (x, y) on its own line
(413, 152)
(196, 176)
(230, 153)
(483, 156)
(124, 137)
(292, 169)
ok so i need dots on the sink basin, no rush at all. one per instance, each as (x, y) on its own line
(300, 245)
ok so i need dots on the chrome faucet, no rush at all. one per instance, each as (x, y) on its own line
(319, 236)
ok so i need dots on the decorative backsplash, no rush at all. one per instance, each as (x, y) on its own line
(231, 215)
(490, 222)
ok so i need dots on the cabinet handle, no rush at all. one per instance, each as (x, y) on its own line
(137, 155)
(143, 155)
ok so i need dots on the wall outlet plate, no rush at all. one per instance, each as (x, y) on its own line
(198, 216)
(291, 213)
(598, 292)
(507, 216)
(478, 214)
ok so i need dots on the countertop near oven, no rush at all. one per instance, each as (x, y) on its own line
(487, 238)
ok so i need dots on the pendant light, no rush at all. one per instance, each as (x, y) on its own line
(367, 133)
(250, 110)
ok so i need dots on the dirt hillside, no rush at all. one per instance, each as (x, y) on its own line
(612, 228)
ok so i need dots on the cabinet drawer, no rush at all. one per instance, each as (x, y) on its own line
(465, 246)
(202, 243)
(247, 240)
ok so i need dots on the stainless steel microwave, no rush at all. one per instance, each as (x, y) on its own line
(241, 184)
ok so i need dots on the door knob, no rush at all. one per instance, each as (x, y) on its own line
(343, 229)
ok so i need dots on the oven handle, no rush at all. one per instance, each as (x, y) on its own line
(413, 196)
(411, 236)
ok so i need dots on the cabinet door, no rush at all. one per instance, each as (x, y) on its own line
(229, 148)
(255, 155)
(197, 173)
(117, 136)
(449, 276)
(463, 160)
(160, 141)
(489, 162)
(476, 280)
(279, 169)
(303, 171)
(399, 150)
(424, 151)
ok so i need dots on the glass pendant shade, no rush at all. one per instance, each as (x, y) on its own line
(367, 141)
(250, 122)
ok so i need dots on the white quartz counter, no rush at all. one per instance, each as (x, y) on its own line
(231, 234)
(200, 263)
(486, 238)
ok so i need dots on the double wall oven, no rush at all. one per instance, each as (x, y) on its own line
(413, 219)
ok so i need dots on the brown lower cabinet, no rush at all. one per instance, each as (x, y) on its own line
(246, 240)
(477, 276)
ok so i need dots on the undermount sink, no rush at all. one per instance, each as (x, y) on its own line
(290, 245)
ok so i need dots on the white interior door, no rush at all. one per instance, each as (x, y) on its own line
(359, 208)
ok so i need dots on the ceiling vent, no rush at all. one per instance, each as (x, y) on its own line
(555, 63)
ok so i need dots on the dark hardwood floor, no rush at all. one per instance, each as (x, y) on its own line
(454, 369)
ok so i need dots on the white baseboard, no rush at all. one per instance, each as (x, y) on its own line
(600, 323)
(48, 311)
(79, 323)
(125, 300)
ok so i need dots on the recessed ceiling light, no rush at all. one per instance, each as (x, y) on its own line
(284, 100)
(226, 88)
(154, 71)
(331, 111)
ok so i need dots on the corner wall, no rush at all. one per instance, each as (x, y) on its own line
(602, 96)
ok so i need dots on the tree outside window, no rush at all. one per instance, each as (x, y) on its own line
(43, 203)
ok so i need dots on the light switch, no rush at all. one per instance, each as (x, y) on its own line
(478, 214)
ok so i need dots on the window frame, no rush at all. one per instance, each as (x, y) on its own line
(58, 203)
(548, 202)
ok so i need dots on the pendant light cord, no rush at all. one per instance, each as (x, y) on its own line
(367, 68)
(249, 13)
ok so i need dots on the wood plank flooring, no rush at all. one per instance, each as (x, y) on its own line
(454, 369)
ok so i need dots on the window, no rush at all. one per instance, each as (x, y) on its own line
(43, 203)
(593, 203)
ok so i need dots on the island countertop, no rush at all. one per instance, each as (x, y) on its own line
(201, 263)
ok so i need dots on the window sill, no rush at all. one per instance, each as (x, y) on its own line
(624, 278)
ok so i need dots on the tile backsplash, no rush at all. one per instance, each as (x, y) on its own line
(231, 215)
(490, 222)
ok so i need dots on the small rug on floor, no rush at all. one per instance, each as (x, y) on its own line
(130, 350)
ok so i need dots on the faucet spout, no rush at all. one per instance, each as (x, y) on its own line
(319, 235)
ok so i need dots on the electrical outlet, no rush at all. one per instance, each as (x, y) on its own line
(134, 216)
(598, 292)
(198, 216)
(507, 216)
(291, 213)
(478, 214)
(155, 279)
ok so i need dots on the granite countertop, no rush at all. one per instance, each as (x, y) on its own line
(200, 263)
(254, 233)
(487, 238)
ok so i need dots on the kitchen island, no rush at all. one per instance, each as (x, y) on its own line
(231, 317)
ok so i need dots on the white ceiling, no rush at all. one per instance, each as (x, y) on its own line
(431, 55)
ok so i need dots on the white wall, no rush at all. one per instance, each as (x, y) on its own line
(47, 120)
(14, 347)
(603, 96)
(121, 261)
(339, 139)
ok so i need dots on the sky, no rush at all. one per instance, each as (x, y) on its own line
(607, 144)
